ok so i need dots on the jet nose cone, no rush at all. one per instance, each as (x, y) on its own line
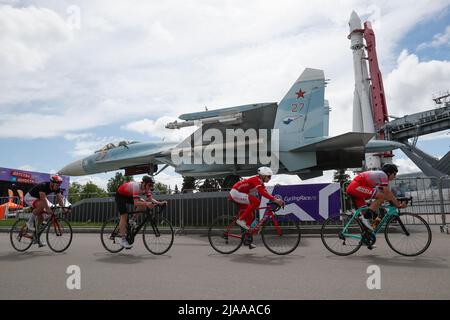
(73, 169)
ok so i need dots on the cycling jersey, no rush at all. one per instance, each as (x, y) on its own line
(42, 187)
(372, 179)
(365, 186)
(251, 185)
(132, 189)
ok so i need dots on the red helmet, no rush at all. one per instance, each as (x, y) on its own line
(56, 179)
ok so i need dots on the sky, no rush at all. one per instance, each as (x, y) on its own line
(75, 75)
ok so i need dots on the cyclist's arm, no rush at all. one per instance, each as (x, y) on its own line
(141, 202)
(262, 191)
(159, 203)
(60, 199)
(43, 197)
(390, 197)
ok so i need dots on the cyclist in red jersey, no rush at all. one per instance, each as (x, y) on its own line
(130, 193)
(240, 193)
(373, 185)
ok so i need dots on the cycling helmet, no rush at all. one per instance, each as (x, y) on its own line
(56, 179)
(265, 171)
(148, 179)
(389, 168)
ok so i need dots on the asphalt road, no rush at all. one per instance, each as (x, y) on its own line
(193, 270)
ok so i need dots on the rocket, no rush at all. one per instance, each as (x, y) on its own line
(362, 108)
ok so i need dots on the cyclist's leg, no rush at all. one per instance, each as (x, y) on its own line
(251, 203)
(243, 201)
(121, 202)
(38, 210)
(139, 210)
(360, 194)
(247, 215)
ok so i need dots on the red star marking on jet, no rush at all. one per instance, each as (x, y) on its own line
(300, 94)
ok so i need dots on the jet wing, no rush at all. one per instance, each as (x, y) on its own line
(343, 141)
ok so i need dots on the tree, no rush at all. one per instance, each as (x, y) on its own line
(176, 191)
(341, 177)
(74, 192)
(161, 188)
(209, 185)
(115, 182)
(188, 184)
(91, 190)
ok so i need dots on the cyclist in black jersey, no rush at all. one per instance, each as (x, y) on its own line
(36, 198)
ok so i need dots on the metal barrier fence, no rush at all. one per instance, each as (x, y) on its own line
(431, 200)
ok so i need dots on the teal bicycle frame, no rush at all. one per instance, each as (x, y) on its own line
(391, 212)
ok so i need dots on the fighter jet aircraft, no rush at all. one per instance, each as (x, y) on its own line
(299, 144)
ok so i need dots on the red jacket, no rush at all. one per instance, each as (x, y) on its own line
(251, 185)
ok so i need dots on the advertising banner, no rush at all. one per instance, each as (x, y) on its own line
(29, 177)
(307, 202)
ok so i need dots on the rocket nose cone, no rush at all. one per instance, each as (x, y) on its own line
(354, 22)
(73, 169)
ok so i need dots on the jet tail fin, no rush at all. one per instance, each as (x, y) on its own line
(303, 114)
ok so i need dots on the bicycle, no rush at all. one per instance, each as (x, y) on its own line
(344, 234)
(58, 232)
(279, 235)
(157, 232)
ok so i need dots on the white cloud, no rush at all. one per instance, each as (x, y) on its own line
(410, 86)
(405, 166)
(167, 58)
(141, 64)
(29, 36)
(440, 39)
(157, 128)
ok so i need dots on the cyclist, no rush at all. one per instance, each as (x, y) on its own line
(36, 198)
(240, 193)
(373, 185)
(130, 193)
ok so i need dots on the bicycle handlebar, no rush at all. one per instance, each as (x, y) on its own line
(405, 199)
(274, 206)
(402, 199)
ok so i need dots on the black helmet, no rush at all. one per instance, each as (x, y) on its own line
(389, 168)
(148, 179)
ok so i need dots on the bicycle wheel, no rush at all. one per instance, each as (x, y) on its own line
(109, 235)
(19, 236)
(158, 235)
(408, 234)
(335, 240)
(224, 235)
(280, 236)
(59, 235)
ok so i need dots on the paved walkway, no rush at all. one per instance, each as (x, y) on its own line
(193, 270)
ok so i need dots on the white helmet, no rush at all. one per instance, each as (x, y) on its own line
(265, 171)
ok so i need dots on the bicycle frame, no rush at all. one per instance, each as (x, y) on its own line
(252, 231)
(391, 212)
(149, 216)
(42, 227)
